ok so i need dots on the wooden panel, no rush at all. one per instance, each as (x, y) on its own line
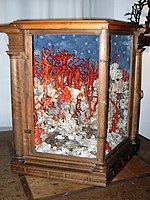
(67, 24)
(16, 42)
(116, 163)
(74, 24)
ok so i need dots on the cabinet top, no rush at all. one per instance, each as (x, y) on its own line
(18, 26)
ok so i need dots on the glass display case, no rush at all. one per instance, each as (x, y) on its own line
(76, 89)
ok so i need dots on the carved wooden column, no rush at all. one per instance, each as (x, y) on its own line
(137, 95)
(16, 105)
(103, 99)
(15, 48)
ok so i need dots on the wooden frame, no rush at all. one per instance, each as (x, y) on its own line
(102, 169)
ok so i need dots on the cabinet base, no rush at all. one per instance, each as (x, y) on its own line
(115, 162)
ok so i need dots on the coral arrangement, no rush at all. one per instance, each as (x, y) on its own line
(119, 74)
(66, 101)
(118, 105)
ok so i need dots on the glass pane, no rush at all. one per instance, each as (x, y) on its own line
(120, 51)
(65, 73)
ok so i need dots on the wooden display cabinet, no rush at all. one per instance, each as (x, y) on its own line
(76, 89)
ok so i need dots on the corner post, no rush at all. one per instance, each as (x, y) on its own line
(16, 105)
(15, 49)
(102, 101)
(138, 94)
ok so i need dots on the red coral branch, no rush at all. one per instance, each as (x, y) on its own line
(115, 117)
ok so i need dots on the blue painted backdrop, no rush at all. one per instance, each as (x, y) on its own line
(84, 46)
